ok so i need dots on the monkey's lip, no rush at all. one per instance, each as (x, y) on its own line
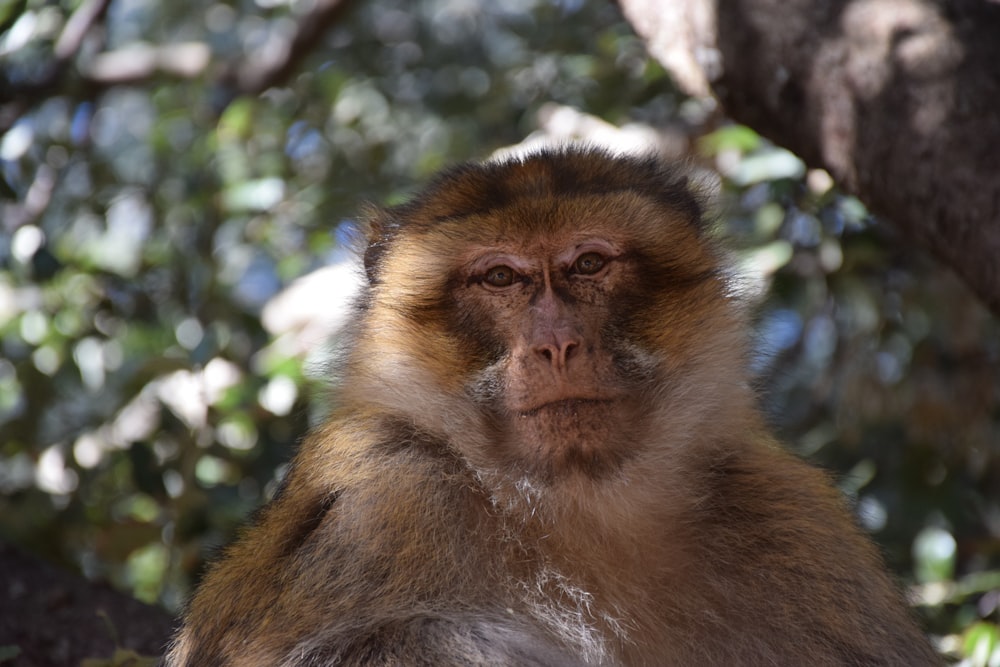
(564, 405)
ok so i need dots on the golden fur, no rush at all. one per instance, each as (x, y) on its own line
(565, 470)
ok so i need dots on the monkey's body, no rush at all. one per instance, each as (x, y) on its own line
(543, 453)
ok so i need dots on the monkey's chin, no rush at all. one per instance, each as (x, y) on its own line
(573, 436)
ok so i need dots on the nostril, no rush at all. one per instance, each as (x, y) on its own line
(557, 354)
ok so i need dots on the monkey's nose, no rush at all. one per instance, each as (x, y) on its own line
(558, 351)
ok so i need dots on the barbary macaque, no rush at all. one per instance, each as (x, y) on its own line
(543, 450)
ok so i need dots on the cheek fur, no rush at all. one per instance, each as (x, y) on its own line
(487, 387)
(478, 327)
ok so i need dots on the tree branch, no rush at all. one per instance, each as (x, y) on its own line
(17, 98)
(897, 99)
(258, 73)
(139, 63)
(76, 29)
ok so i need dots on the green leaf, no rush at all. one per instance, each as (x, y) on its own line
(729, 138)
(981, 644)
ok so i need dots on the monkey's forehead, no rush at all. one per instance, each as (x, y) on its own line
(547, 213)
(538, 226)
(545, 201)
(568, 174)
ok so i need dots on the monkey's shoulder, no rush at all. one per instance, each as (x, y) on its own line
(772, 499)
(770, 522)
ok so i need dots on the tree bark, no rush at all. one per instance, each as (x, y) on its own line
(52, 618)
(898, 99)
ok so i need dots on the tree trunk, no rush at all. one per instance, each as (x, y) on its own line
(898, 99)
(52, 618)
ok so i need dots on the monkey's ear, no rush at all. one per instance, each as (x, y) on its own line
(379, 227)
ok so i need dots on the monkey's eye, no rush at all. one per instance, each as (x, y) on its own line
(500, 276)
(588, 263)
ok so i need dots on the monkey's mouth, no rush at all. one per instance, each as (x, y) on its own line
(566, 406)
(592, 436)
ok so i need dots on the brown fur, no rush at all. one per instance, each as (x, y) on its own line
(563, 470)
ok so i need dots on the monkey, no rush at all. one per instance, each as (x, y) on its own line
(543, 448)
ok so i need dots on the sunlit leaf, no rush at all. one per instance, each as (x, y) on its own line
(729, 138)
(981, 645)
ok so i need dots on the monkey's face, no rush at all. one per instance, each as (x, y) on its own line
(561, 383)
(563, 326)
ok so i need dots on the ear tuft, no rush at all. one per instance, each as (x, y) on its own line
(379, 228)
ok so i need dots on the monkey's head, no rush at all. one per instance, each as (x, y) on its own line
(552, 316)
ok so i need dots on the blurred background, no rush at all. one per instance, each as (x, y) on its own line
(173, 260)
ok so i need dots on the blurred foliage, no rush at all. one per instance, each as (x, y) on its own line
(876, 363)
(145, 410)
